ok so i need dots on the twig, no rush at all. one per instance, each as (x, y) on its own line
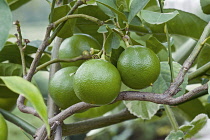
(199, 72)
(20, 46)
(82, 57)
(187, 64)
(87, 17)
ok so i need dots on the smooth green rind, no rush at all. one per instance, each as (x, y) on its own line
(8, 103)
(27, 89)
(157, 18)
(61, 87)
(3, 128)
(97, 82)
(5, 22)
(74, 46)
(139, 67)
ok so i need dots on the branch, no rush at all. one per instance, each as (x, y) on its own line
(199, 72)
(87, 125)
(126, 95)
(172, 90)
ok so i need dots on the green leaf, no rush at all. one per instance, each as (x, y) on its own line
(82, 24)
(112, 42)
(5, 22)
(157, 18)
(185, 24)
(142, 109)
(9, 69)
(67, 29)
(155, 45)
(136, 6)
(27, 89)
(124, 3)
(203, 57)
(111, 5)
(195, 125)
(103, 28)
(15, 4)
(178, 135)
(192, 108)
(205, 6)
(164, 79)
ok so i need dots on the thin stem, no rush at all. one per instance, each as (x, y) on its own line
(161, 5)
(87, 17)
(170, 59)
(103, 56)
(199, 72)
(19, 122)
(20, 46)
(82, 57)
(60, 26)
(171, 117)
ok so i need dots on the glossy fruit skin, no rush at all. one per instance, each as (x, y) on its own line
(3, 128)
(8, 103)
(139, 67)
(97, 82)
(74, 46)
(61, 88)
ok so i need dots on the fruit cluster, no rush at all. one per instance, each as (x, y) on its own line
(98, 81)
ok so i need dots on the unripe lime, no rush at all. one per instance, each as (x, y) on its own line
(74, 46)
(3, 128)
(139, 67)
(97, 82)
(8, 103)
(61, 87)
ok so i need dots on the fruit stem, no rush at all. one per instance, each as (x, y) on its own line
(170, 59)
(171, 117)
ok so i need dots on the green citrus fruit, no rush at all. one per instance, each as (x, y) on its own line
(5, 92)
(97, 82)
(139, 67)
(8, 103)
(74, 46)
(61, 87)
(97, 111)
(3, 128)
